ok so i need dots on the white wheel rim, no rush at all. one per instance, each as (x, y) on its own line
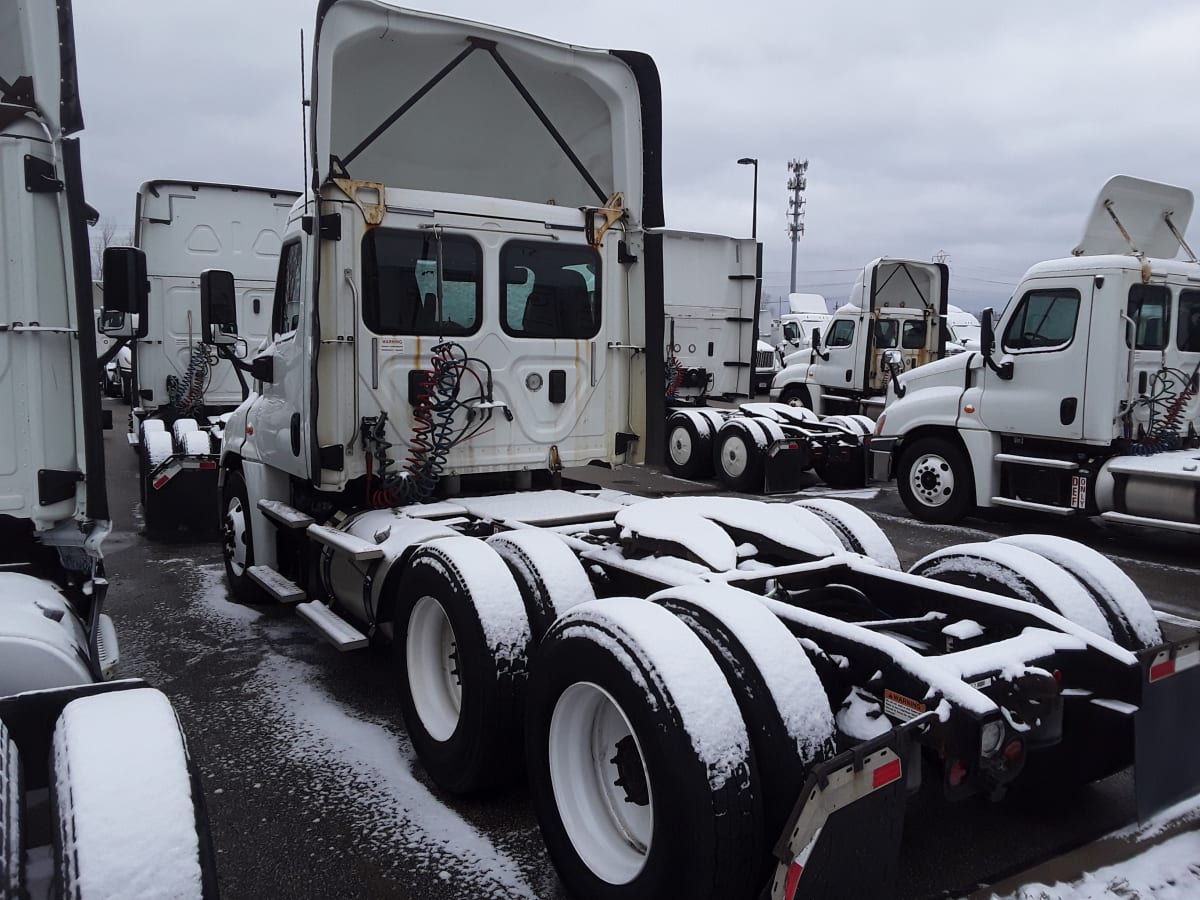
(235, 536)
(433, 669)
(680, 444)
(735, 456)
(611, 834)
(931, 480)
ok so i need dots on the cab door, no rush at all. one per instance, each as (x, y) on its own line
(1044, 335)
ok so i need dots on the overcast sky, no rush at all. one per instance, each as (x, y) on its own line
(980, 130)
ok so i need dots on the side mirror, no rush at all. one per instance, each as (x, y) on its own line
(893, 361)
(126, 293)
(218, 307)
(816, 339)
(987, 333)
(262, 368)
(987, 343)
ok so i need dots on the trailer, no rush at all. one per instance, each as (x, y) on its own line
(182, 389)
(1081, 399)
(98, 795)
(711, 697)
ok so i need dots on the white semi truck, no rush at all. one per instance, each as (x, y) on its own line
(98, 796)
(455, 312)
(1082, 398)
(181, 388)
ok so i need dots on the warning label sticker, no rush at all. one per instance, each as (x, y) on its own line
(897, 706)
(392, 344)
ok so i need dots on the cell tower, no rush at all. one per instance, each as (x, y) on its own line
(797, 182)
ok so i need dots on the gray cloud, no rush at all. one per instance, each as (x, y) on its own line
(979, 130)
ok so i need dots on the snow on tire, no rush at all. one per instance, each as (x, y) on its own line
(182, 427)
(690, 441)
(12, 857)
(639, 760)
(738, 451)
(1134, 625)
(462, 643)
(159, 446)
(856, 530)
(782, 701)
(549, 576)
(129, 820)
(196, 443)
(1016, 572)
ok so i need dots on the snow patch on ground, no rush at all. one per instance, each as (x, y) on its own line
(363, 767)
(1166, 871)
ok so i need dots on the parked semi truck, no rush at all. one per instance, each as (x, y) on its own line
(826, 396)
(712, 697)
(182, 389)
(98, 796)
(1082, 398)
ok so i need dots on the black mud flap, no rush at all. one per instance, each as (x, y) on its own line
(843, 836)
(1167, 764)
(182, 492)
(846, 465)
(784, 465)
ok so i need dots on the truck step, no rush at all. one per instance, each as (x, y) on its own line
(284, 515)
(347, 544)
(282, 589)
(1127, 519)
(1036, 507)
(1040, 461)
(332, 627)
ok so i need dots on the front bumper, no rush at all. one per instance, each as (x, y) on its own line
(879, 457)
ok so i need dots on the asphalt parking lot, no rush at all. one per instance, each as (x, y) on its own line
(312, 785)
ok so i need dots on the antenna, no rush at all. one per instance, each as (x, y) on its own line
(304, 103)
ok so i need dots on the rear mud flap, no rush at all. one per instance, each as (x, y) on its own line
(784, 465)
(843, 837)
(182, 493)
(1167, 764)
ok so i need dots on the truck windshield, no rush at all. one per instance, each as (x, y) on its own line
(885, 333)
(400, 283)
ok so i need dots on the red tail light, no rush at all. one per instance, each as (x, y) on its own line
(957, 773)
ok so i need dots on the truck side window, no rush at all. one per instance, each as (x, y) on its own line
(841, 333)
(286, 316)
(1150, 308)
(549, 290)
(1043, 320)
(791, 332)
(401, 282)
(1187, 336)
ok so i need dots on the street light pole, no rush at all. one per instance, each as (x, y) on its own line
(747, 161)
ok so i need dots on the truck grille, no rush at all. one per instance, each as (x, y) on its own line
(764, 359)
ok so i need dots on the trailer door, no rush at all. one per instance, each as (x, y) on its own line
(1045, 337)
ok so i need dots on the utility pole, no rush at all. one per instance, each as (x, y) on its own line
(797, 182)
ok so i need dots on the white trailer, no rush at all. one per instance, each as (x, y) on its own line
(181, 388)
(1082, 399)
(98, 797)
(674, 675)
(712, 286)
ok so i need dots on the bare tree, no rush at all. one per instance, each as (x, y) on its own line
(104, 234)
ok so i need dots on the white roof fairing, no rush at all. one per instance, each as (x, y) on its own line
(1141, 207)
(472, 132)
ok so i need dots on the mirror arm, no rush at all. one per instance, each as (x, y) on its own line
(112, 352)
(239, 366)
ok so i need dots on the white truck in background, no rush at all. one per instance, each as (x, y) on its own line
(964, 330)
(454, 315)
(793, 330)
(711, 292)
(1082, 398)
(181, 388)
(896, 305)
(97, 791)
